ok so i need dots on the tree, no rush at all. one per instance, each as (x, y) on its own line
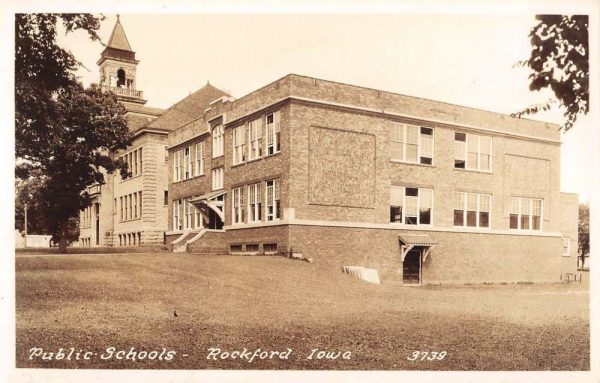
(560, 61)
(27, 194)
(584, 232)
(64, 132)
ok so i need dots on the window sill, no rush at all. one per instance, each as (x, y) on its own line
(130, 220)
(254, 160)
(215, 157)
(404, 225)
(131, 178)
(473, 228)
(188, 179)
(474, 170)
(411, 163)
(272, 155)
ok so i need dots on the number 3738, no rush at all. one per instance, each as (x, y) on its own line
(427, 355)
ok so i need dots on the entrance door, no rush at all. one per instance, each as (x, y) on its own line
(411, 268)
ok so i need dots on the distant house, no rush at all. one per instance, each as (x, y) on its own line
(33, 240)
(423, 191)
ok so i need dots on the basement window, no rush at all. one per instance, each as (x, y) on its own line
(270, 248)
(252, 248)
(235, 249)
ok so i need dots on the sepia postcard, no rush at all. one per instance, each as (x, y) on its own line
(320, 191)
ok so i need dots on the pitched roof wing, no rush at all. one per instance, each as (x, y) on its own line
(189, 108)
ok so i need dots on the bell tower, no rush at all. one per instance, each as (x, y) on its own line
(118, 68)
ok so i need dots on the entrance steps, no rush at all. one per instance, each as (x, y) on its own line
(213, 241)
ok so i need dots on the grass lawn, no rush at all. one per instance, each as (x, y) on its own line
(92, 302)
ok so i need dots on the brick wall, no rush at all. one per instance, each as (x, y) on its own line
(212, 242)
(458, 257)
(569, 225)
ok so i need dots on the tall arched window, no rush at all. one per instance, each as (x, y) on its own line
(217, 141)
(121, 78)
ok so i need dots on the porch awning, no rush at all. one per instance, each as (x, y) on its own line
(207, 200)
(208, 196)
(417, 240)
(408, 241)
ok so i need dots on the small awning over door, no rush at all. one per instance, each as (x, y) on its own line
(212, 200)
(408, 241)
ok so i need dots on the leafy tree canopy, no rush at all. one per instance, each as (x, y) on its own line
(560, 62)
(65, 134)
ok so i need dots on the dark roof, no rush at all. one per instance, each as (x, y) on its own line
(118, 46)
(136, 108)
(188, 109)
(118, 39)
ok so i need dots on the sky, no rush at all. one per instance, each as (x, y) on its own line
(464, 59)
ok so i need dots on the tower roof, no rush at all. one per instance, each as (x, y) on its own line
(118, 46)
(118, 39)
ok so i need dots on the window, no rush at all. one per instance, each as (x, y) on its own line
(273, 200)
(566, 245)
(166, 198)
(237, 204)
(140, 157)
(252, 248)
(176, 212)
(239, 144)
(472, 152)
(115, 208)
(198, 218)
(235, 249)
(396, 203)
(472, 209)
(411, 206)
(217, 141)
(187, 163)
(255, 136)
(140, 202)
(273, 133)
(126, 216)
(187, 213)
(217, 178)
(130, 207)
(135, 205)
(270, 248)
(254, 203)
(525, 213)
(199, 169)
(135, 162)
(121, 203)
(411, 143)
(177, 166)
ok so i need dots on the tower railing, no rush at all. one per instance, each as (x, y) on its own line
(123, 91)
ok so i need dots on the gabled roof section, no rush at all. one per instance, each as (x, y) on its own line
(118, 39)
(190, 108)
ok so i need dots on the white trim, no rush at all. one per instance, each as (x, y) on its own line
(403, 115)
(393, 226)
